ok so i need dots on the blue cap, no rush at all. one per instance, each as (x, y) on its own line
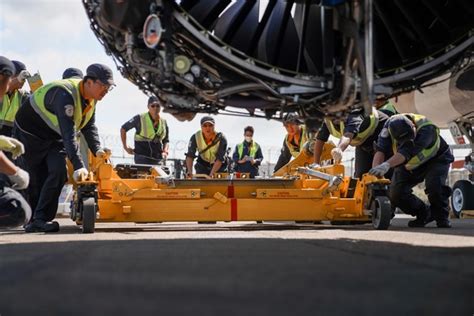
(401, 128)
(7, 68)
(153, 99)
(292, 118)
(19, 66)
(102, 73)
(207, 119)
(72, 73)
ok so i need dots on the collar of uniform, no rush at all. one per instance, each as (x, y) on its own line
(155, 123)
(81, 91)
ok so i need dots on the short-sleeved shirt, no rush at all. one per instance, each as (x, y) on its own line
(151, 149)
(192, 149)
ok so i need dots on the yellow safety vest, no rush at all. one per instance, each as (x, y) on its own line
(10, 107)
(389, 107)
(360, 137)
(427, 153)
(71, 86)
(295, 151)
(210, 154)
(147, 131)
(253, 149)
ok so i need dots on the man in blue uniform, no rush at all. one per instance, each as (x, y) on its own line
(419, 154)
(72, 73)
(358, 130)
(297, 135)
(11, 102)
(211, 147)
(14, 210)
(248, 154)
(151, 135)
(47, 124)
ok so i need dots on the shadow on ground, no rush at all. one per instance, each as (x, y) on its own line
(235, 277)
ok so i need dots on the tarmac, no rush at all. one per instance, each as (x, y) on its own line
(239, 268)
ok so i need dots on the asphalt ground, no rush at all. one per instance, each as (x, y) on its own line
(239, 269)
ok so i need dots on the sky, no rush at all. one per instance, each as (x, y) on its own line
(52, 35)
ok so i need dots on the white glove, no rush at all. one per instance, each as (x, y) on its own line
(314, 165)
(20, 179)
(12, 145)
(80, 174)
(101, 152)
(336, 154)
(380, 170)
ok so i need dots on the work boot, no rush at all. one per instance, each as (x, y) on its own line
(423, 218)
(443, 223)
(41, 226)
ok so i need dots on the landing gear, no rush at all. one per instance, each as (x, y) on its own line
(463, 191)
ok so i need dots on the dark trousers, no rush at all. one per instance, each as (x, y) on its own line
(139, 159)
(46, 163)
(205, 168)
(434, 173)
(363, 162)
(14, 210)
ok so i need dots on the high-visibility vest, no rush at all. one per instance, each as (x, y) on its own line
(427, 153)
(147, 130)
(253, 149)
(360, 137)
(389, 107)
(72, 87)
(9, 108)
(295, 151)
(210, 154)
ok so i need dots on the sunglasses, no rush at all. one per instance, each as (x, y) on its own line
(154, 105)
(108, 87)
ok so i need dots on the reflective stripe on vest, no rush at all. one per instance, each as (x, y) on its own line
(10, 107)
(389, 107)
(253, 149)
(360, 137)
(427, 153)
(295, 151)
(147, 130)
(72, 87)
(210, 154)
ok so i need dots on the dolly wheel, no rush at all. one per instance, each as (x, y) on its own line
(381, 212)
(88, 215)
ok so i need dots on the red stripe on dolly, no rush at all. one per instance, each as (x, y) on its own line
(230, 191)
(233, 209)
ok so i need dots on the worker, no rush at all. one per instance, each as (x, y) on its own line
(71, 72)
(14, 210)
(248, 154)
(12, 101)
(211, 147)
(47, 125)
(419, 154)
(297, 136)
(151, 135)
(359, 130)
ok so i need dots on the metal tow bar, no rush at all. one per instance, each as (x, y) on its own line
(334, 181)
